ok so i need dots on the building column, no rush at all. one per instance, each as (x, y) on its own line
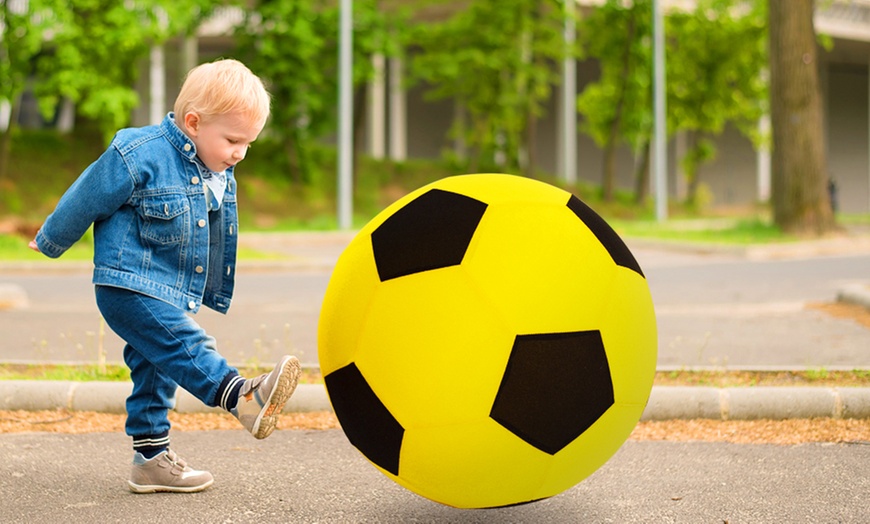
(5, 115)
(189, 54)
(67, 116)
(398, 112)
(376, 109)
(156, 85)
(762, 164)
(460, 146)
(566, 141)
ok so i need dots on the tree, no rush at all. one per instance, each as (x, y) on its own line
(716, 56)
(799, 177)
(22, 33)
(494, 58)
(93, 56)
(617, 107)
(293, 44)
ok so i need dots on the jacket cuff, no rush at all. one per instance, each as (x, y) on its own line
(47, 247)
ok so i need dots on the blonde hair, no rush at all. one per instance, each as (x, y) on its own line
(220, 87)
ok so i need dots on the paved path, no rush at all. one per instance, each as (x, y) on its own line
(301, 476)
(297, 476)
(720, 308)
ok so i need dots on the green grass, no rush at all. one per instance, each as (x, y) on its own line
(75, 373)
(854, 219)
(725, 231)
(13, 247)
(723, 379)
(110, 372)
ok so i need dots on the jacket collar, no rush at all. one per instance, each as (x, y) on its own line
(177, 138)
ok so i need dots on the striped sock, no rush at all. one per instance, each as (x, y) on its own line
(227, 395)
(151, 445)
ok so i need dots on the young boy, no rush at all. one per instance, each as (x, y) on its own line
(162, 200)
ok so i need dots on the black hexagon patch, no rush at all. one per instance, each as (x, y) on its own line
(555, 386)
(430, 232)
(368, 424)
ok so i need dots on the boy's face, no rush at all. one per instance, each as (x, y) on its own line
(221, 140)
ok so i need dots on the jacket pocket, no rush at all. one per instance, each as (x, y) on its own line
(165, 218)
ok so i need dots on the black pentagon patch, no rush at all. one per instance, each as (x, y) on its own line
(430, 232)
(555, 386)
(605, 234)
(369, 426)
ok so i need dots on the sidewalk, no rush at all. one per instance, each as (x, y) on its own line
(307, 251)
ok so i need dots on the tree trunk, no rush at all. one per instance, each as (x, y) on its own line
(799, 182)
(294, 151)
(360, 98)
(531, 139)
(641, 174)
(608, 181)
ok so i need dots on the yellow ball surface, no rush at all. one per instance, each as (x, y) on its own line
(487, 340)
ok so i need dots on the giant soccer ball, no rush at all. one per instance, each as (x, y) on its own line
(487, 340)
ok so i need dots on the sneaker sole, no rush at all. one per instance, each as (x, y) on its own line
(154, 488)
(284, 388)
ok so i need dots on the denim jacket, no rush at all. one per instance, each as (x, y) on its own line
(152, 231)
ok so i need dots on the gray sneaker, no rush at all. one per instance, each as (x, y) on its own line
(166, 472)
(261, 399)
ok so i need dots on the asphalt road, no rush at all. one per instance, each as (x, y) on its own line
(297, 476)
(712, 310)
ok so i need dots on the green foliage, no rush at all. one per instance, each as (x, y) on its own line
(23, 32)
(293, 44)
(495, 58)
(716, 56)
(23, 29)
(616, 108)
(620, 39)
(95, 49)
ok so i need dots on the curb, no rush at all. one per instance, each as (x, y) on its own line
(12, 297)
(110, 397)
(755, 403)
(855, 294)
(665, 402)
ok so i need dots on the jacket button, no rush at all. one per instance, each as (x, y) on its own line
(191, 305)
(194, 180)
(198, 269)
(187, 147)
(201, 222)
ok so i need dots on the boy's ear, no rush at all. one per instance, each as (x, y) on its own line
(191, 122)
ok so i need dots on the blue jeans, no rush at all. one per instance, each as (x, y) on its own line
(165, 348)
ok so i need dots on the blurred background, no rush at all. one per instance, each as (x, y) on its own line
(557, 90)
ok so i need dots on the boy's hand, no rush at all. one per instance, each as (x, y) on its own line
(32, 245)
